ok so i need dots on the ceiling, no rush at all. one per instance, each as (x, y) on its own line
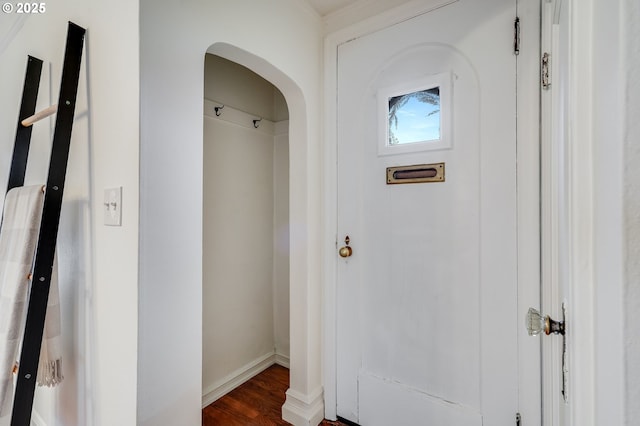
(339, 14)
(325, 7)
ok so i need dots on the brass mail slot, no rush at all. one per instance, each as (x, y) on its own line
(416, 174)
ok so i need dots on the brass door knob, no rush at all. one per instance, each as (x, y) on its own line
(345, 251)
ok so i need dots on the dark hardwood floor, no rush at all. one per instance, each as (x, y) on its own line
(257, 402)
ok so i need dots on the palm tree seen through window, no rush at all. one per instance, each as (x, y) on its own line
(414, 117)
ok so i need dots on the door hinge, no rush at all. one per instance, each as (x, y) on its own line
(544, 71)
(518, 419)
(516, 36)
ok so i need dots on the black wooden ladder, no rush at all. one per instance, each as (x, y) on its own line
(44, 258)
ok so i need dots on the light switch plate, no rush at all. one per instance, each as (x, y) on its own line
(113, 206)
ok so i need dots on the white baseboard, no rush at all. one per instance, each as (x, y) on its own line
(282, 360)
(241, 375)
(37, 420)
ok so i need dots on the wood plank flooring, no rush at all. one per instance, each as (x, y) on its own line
(257, 402)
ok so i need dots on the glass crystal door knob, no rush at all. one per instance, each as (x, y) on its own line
(534, 322)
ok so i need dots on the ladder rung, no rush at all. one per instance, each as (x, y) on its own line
(29, 121)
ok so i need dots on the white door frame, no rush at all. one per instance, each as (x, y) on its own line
(595, 119)
(592, 177)
(528, 192)
(528, 176)
(580, 321)
(553, 179)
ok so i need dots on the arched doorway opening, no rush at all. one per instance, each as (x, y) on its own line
(245, 227)
(303, 401)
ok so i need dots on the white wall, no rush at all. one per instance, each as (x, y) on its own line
(237, 249)
(245, 273)
(631, 44)
(608, 136)
(604, 317)
(239, 87)
(281, 40)
(98, 264)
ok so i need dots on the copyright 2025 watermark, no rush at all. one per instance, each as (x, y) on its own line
(24, 8)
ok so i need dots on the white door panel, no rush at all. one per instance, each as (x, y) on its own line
(427, 303)
(408, 403)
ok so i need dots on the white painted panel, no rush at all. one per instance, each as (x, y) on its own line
(392, 401)
(420, 283)
(434, 266)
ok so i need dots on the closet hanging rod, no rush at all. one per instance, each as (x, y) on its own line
(29, 121)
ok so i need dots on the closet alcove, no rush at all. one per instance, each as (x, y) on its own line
(245, 227)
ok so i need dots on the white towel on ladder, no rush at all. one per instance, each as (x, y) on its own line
(18, 240)
(50, 365)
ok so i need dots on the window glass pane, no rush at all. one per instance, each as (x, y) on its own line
(414, 117)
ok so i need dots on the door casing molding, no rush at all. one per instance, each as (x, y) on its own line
(596, 114)
(553, 206)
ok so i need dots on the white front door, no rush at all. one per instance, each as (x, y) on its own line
(427, 303)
